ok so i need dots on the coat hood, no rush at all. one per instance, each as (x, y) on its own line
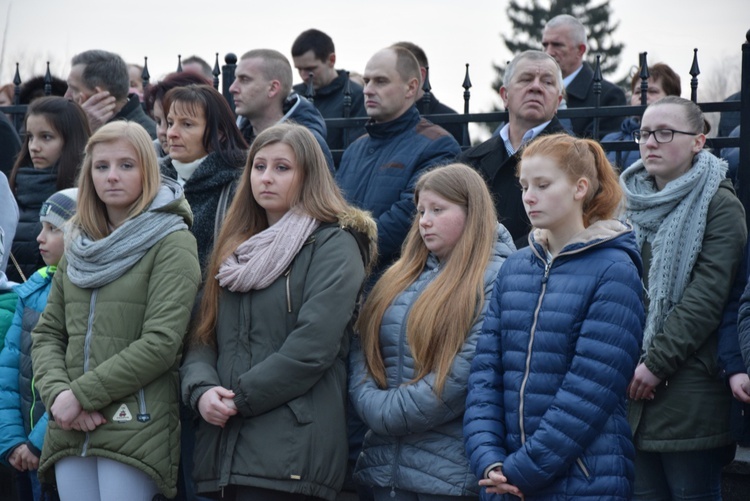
(365, 231)
(609, 233)
(299, 110)
(171, 198)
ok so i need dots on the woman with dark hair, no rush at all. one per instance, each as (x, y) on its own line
(206, 155)
(267, 366)
(56, 134)
(154, 101)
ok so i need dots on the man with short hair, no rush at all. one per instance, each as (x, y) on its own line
(199, 66)
(564, 38)
(99, 82)
(262, 98)
(531, 93)
(379, 170)
(314, 54)
(433, 107)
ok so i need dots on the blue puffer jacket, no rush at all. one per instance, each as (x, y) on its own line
(379, 170)
(558, 348)
(23, 419)
(415, 439)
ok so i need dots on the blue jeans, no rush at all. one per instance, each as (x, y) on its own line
(689, 475)
(392, 494)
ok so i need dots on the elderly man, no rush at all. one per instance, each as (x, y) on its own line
(379, 170)
(531, 93)
(564, 38)
(262, 98)
(99, 82)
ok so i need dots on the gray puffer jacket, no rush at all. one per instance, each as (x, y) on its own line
(415, 441)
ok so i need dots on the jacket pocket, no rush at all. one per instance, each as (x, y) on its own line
(584, 469)
(301, 409)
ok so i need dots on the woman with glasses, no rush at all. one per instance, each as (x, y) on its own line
(691, 230)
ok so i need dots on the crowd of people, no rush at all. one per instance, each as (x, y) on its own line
(200, 302)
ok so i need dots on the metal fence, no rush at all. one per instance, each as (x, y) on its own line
(224, 76)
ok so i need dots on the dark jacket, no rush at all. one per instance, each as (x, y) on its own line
(499, 170)
(10, 144)
(415, 438)
(624, 159)
(282, 350)
(329, 100)
(435, 107)
(33, 187)
(299, 110)
(203, 191)
(691, 408)
(23, 419)
(379, 170)
(580, 94)
(557, 351)
(133, 111)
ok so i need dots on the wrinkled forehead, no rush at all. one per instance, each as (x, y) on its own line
(534, 67)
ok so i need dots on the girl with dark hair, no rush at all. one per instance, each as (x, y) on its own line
(418, 330)
(154, 101)
(691, 231)
(56, 135)
(206, 155)
(546, 415)
(267, 367)
(107, 347)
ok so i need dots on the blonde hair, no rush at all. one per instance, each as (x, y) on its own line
(318, 196)
(582, 158)
(91, 216)
(457, 293)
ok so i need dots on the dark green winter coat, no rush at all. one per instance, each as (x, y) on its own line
(690, 410)
(282, 350)
(137, 323)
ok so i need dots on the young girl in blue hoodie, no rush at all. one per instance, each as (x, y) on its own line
(23, 418)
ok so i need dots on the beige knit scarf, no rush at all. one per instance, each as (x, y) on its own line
(262, 258)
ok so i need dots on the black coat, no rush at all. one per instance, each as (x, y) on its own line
(203, 190)
(33, 187)
(499, 170)
(435, 107)
(580, 94)
(10, 145)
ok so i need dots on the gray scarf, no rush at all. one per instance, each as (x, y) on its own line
(674, 221)
(95, 263)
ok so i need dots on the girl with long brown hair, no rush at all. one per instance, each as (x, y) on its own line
(418, 331)
(266, 371)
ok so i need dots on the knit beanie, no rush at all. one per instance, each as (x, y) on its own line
(59, 207)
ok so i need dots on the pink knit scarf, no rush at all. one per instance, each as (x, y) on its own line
(262, 258)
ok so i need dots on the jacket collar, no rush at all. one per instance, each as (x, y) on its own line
(395, 127)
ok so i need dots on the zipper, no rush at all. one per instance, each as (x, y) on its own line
(86, 353)
(89, 331)
(143, 416)
(33, 403)
(288, 290)
(527, 370)
(583, 468)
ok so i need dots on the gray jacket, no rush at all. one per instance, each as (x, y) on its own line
(415, 441)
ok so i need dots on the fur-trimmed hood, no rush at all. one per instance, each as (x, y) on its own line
(365, 230)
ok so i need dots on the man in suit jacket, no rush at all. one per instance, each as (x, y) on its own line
(531, 92)
(564, 38)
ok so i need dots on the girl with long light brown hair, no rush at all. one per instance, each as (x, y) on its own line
(267, 368)
(418, 332)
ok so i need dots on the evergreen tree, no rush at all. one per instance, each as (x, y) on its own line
(529, 17)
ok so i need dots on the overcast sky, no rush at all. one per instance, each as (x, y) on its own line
(451, 32)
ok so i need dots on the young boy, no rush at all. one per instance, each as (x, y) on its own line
(23, 419)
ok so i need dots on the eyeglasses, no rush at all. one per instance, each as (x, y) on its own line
(661, 136)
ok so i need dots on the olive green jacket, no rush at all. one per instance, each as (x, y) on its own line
(690, 410)
(118, 349)
(282, 350)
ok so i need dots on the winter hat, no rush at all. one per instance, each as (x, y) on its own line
(59, 207)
